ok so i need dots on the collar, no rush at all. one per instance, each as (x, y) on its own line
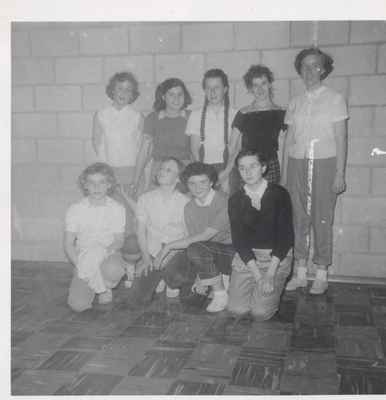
(162, 114)
(208, 200)
(313, 94)
(88, 203)
(256, 193)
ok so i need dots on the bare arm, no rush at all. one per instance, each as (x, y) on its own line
(195, 147)
(281, 140)
(97, 134)
(117, 244)
(340, 134)
(69, 247)
(234, 147)
(288, 141)
(129, 200)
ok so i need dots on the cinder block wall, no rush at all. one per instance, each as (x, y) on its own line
(59, 71)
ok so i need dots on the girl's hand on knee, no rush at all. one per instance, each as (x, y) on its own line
(143, 267)
(267, 284)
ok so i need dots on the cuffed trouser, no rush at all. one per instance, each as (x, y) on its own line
(81, 296)
(245, 294)
(323, 201)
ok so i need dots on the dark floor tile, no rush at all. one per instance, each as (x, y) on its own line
(313, 338)
(143, 331)
(247, 373)
(161, 363)
(67, 360)
(286, 312)
(27, 360)
(85, 343)
(138, 385)
(353, 315)
(309, 385)
(91, 315)
(351, 295)
(15, 373)
(315, 310)
(40, 383)
(379, 315)
(183, 388)
(264, 357)
(90, 384)
(60, 327)
(128, 348)
(269, 338)
(358, 342)
(361, 382)
(379, 291)
(315, 365)
(101, 364)
(153, 319)
(233, 390)
(228, 330)
(213, 360)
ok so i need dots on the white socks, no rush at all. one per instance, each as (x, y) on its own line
(321, 274)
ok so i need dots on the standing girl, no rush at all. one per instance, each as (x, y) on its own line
(209, 127)
(164, 130)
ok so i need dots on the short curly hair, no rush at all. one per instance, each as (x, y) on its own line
(122, 77)
(261, 157)
(199, 168)
(326, 59)
(257, 71)
(97, 168)
(162, 88)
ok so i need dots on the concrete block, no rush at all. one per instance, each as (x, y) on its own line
(55, 205)
(262, 35)
(38, 251)
(329, 32)
(365, 265)
(364, 210)
(381, 66)
(380, 121)
(235, 64)
(104, 41)
(368, 90)
(68, 177)
(94, 97)
(353, 60)
(20, 44)
(207, 36)
(379, 182)
(197, 94)
(65, 151)
(58, 98)
(358, 180)
(54, 42)
(33, 125)
(360, 122)
(23, 151)
(42, 229)
(351, 238)
(141, 66)
(368, 31)
(78, 70)
(32, 71)
(89, 153)
(339, 84)
(280, 90)
(34, 178)
(359, 151)
(26, 204)
(76, 125)
(155, 38)
(146, 98)
(377, 240)
(188, 67)
(281, 62)
(22, 99)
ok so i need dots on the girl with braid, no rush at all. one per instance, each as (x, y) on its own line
(209, 127)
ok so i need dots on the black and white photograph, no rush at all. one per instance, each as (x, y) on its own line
(198, 207)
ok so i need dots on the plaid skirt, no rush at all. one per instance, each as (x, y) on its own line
(273, 173)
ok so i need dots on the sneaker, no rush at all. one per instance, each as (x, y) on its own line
(295, 283)
(219, 301)
(160, 287)
(172, 293)
(319, 286)
(105, 297)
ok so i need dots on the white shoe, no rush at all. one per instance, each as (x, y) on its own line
(295, 283)
(172, 293)
(225, 280)
(219, 301)
(318, 286)
(105, 297)
(161, 286)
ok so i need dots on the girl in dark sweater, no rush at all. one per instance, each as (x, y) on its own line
(262, 234)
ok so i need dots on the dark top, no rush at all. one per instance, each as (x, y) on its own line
(268, 228)
(260, 130)
(169, 139)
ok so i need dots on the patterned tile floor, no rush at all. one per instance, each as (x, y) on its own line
(330, 344)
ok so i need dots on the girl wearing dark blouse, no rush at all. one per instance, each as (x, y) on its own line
(262, 234)
(258, 125)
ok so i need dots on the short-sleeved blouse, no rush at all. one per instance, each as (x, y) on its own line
(260, 130)
(169, 139)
